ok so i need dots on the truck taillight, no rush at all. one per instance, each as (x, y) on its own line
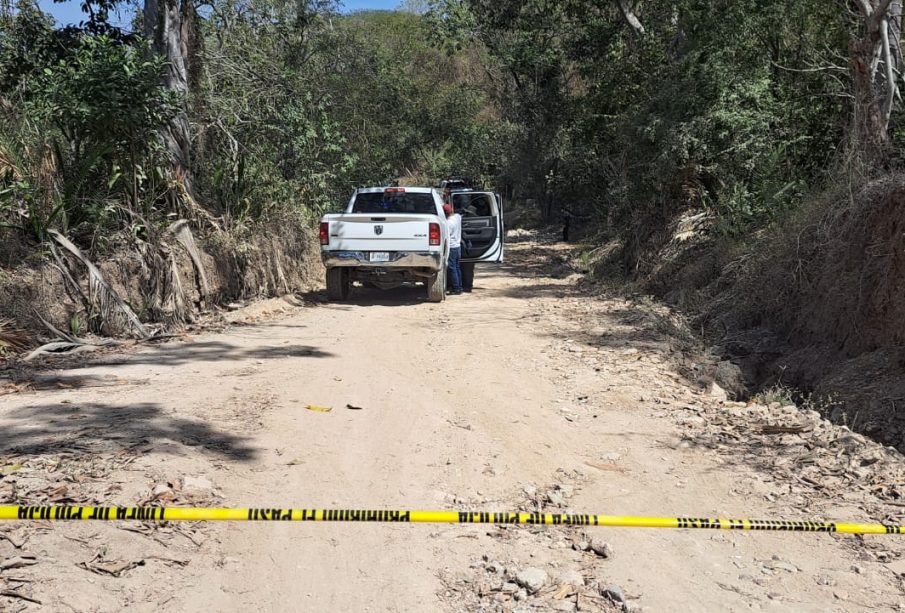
(325, 233)
(434, 234)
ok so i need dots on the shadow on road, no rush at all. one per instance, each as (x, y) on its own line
(174, 354)
(372, 296)
(105, 428)
(215, 351)
(401, 296)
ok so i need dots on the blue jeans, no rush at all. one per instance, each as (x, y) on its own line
(455, 272)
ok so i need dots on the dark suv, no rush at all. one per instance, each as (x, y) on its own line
(454, 183)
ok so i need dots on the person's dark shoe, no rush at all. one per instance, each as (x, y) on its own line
(454, 293)
(467, 290)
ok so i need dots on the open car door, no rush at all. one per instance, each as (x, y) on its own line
(482, 225)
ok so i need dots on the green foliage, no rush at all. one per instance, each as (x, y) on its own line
(724, 117)
(303, 105)
(79, 132)
(530, 79)
(104, 95)
(28, 43)
(777, 393)
(731, 106)
(76, 325)
(291, 106)
(266, 140)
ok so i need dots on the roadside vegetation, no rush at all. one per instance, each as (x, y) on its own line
(267, 109)
(626, 112)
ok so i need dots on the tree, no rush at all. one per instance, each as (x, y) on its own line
(170, 25)
(82, 130)
(876, 58)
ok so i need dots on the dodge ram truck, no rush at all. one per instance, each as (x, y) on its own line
(387, 237)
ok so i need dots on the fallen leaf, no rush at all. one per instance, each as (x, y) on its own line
(58, 494)
(163, 495)
(314, 407)
(13, 388)
(295, 462)
(8, 470)
(18, 562)
(790, 429)
(75, 539)
(564, 591)
(606, 467)
(18, 544)
(352, 407)
(114, 568)
(177, 561)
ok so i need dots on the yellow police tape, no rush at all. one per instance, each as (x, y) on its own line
(436, 517)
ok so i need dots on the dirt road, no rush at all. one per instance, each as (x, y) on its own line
(520, 395)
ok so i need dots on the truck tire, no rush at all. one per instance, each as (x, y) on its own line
(436, 287)
(338, 284)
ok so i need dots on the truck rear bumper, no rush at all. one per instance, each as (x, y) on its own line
(397, 259)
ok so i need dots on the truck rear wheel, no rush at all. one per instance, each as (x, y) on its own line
(338, 284)
(436, 287)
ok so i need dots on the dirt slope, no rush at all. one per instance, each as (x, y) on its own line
(519, 395)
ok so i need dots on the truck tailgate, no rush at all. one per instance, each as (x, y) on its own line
(366, 232)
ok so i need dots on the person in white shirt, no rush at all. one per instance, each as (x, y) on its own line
(454, 228)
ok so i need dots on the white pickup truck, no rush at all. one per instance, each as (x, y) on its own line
(387, 237)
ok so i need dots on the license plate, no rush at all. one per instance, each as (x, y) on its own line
(380, 256)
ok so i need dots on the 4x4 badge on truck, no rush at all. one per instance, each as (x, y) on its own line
(378, 230)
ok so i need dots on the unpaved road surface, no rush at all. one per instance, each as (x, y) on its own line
(525, 394)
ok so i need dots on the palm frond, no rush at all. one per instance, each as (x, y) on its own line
(110, 312)
(13, 338)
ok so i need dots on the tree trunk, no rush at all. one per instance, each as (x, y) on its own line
(169, 25)
(628, 12)
(890, 31)
(869, 133)
(875, 62)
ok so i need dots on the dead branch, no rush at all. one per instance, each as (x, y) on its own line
(12, 594)
(892, 88)
(628, 12)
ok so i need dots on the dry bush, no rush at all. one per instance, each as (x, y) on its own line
(834, 275)
(13, 339)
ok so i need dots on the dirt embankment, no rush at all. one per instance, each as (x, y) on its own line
(818, 306)
(168, 283)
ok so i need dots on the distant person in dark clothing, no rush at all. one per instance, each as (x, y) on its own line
(566, 222)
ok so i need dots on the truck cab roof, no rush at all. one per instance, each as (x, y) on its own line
(399, 190)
